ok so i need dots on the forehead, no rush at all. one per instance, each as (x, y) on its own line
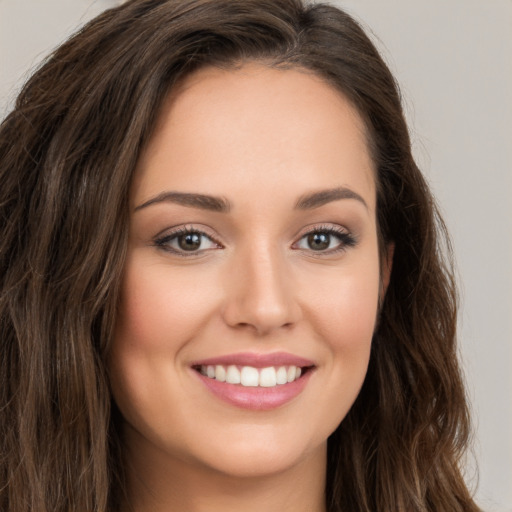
(255, 123)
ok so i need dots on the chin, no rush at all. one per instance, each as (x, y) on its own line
(258, 463)
(252, 452)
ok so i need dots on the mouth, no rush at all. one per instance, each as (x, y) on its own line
(251, 376)
(255, 381)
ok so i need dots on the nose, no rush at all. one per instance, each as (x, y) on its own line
(260, 293)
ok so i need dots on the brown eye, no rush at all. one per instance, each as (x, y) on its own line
(189, 241)
(319, 241)
(326, 241)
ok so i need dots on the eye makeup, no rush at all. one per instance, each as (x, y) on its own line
(187, 241)
(321, 240)
(325, 240)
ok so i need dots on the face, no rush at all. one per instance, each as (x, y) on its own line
(253, 257)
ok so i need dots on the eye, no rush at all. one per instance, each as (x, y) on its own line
(329, 240)
(186, 242)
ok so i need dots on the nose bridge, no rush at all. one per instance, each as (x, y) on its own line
(260, 293)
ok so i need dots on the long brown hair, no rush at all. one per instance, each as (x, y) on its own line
(67, 154)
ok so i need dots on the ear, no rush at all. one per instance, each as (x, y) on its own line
(386, 266)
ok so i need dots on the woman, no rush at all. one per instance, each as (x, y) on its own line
(223, 283)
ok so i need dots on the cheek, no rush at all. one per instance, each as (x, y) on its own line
(345, 317)
(346, 304)
(349, 331)
(160, 309)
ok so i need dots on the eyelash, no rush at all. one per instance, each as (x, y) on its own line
(346, 240)
(164, 241)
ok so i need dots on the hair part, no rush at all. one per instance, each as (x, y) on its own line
(68, 151)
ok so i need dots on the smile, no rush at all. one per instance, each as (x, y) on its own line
(250, 376)
(257, 382)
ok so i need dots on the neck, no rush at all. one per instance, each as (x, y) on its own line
(165, 484)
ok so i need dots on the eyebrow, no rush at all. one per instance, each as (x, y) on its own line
(221, 205)
(317, 199)
(201, 201)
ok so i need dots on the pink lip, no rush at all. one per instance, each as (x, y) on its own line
(256, 360)
(256, 398)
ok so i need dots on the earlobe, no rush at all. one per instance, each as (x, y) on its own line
(385, 269)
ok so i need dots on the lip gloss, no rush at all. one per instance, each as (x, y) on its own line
(255, 398)
(258, 398)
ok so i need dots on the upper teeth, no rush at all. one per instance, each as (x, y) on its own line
(250, 376)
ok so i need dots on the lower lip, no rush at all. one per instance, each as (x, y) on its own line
(255, 398)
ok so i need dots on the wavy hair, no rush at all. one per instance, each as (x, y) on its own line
(67, 154)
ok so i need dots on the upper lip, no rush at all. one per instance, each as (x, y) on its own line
(256, 360)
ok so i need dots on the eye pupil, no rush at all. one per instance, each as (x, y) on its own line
(190, 241)
(319, 241)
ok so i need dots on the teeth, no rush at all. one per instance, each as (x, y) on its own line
(249, 376)
(220, 373)
(233, 375)
(252, 377)
(281, 376)
(268, 377)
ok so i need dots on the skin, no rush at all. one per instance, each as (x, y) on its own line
(262, 139)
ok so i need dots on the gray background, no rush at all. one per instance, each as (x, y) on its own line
(453, 60)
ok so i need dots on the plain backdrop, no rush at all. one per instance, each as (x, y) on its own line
(453, 60)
